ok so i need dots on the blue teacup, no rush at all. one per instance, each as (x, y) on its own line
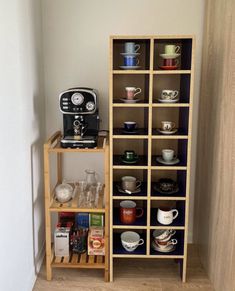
(129, 125)
(131, 61)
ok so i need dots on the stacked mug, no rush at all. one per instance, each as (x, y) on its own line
(162, 240)
(130, 54)
(171, 52)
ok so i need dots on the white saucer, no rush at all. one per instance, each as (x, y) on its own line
(129, 67)
(129, 101)
(137, 190)
(167, 249)
(172, 162)
(167, 131)
(169, 56)
(130, 54)
(168, 101)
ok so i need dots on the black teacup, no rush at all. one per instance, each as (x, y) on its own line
(167, 185)
(129, 125)
(130, 155)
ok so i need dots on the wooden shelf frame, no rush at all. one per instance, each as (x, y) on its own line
(52, 206)
(152, 74)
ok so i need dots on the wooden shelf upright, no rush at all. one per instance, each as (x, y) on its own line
(52, 206)
(148, 143)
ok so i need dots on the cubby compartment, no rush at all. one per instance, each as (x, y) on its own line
(121, 146)
(137, 114)
(141, 213)
(121, 81)
(143, 53)
(179, 146)
(170, 184)
(177, 115)
(185, 58)
(140, 175)
(175, 82)
(179, 247)
(118, 249)
(167, 205)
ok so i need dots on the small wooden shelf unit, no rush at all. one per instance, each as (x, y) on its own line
(148, 143)
(52, 206)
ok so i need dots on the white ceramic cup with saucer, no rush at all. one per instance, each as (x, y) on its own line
(131, 240)
(167, 155)
(130, 183)
(169, 94)
(167, 125)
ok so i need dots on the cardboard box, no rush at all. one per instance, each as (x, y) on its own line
(96, 241)
(61, 241)
(96, 219)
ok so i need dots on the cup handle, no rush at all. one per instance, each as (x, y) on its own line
(172, 232)
(138, 184)
(174, 241)
(141, 212)
(177, 63)
(173, 125)
(141, 242)
(137, 48)
(137, 62)
(177, 49)
(137, 91)
(176, 93)
(176, 213)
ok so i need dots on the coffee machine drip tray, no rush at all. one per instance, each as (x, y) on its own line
(81, 142)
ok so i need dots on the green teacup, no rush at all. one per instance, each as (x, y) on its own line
(130, 155)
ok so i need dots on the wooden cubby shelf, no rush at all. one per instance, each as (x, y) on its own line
(148, 142)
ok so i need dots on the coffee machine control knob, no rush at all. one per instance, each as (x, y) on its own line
(90, 106)
(77, 99)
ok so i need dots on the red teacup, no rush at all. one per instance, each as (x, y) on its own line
(171, 62)
(128, 212)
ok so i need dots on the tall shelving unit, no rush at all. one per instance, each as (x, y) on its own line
(148, 114)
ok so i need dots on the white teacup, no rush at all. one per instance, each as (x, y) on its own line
(163, 234)
(167, 155)
(130, 183)
(167, 125)
(131, 240)
(166, 215)
(171, 49)
(169, 94)
(163, 245)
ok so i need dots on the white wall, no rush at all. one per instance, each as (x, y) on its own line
(22, 135)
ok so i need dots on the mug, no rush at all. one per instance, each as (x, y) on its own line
(131, 240)
(130, 125)
(131, 47)
(165, 244)
(167, 155)
(131, 61)
(167, 125)
(169, 94)
(130, 183)
(171, 49)
(163, 234)
(128, 212)
(171, 62)
(131, 92)
(130, 155)
(166, 215)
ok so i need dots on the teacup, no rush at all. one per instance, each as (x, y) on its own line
(167, 125)
(131, 47)
(130, 183)
(163, 234)
(166, 184)
(167, 155)
(131, 92)
(165, 244)
(130, 155)
(169, 94)
(128, 212)
(171, 62)
(171, 49)
(130, 125)
(131, 240)
(131, 61)
(166, 215)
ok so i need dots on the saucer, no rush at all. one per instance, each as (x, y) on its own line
(168, 67)
(129, 162)
(137, 190)
(129, 67)
(129, 101)
(168, 101)
(167, 131)
(129, 131)
(130, 54)
(169, 56)
(158, 189)
(174, 161)
(167, 249)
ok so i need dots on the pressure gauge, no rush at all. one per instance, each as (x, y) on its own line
(77, 99)
(90, 106)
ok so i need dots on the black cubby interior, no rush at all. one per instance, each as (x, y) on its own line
(179, 146)
(178, 82)
(178, 176)
(144, 57)
(179, 115)
(140, 175)
(117, 245)
(179, 250)
(137, 114)
(185, 58)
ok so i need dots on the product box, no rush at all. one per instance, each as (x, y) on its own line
(82, 219)
(61, 241)
(96, 219)
(96, 241)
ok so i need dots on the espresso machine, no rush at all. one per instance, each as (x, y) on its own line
(80, 118)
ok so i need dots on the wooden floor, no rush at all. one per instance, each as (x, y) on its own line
(130, 275)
